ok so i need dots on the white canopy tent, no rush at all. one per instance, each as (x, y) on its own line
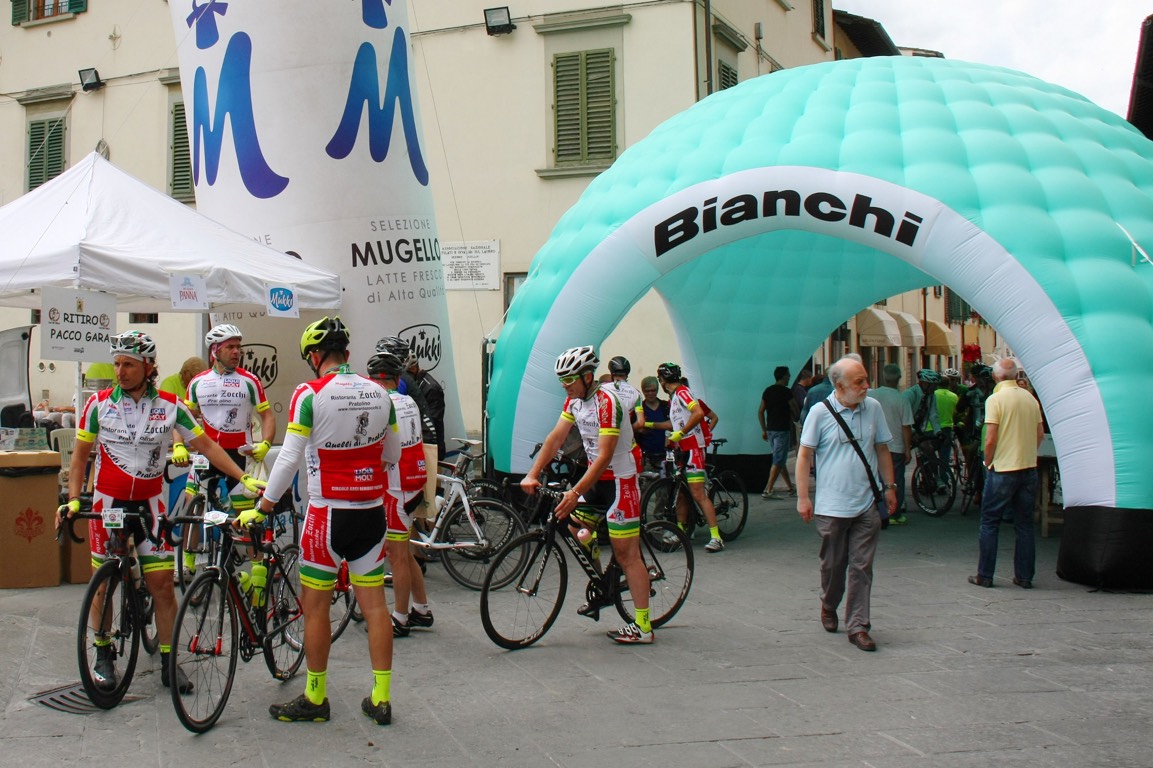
(98, 228)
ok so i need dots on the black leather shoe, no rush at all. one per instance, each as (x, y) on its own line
(981, 581)
(1023, 583)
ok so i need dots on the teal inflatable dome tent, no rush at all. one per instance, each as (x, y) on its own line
(769, 212)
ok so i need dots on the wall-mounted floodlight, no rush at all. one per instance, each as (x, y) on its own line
(498, 21)
(90, 80)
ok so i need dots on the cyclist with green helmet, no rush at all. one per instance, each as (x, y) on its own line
(343, 426)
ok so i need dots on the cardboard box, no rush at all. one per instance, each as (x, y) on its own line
(76, 559)
(29, 495)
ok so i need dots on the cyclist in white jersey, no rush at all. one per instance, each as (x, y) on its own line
(130, 426)
(343, 426)
(227, 399)
(406, 481)
(689, 435)
(630, 397)
(610, 481)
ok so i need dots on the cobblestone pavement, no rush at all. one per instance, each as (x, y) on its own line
(744, 675)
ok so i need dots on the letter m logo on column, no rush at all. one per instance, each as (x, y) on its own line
(233, 101)
(364, 96)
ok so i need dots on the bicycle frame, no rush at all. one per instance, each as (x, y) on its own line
(431, 540)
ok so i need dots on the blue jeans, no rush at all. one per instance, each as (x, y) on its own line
(1008, 496)
(899, 480)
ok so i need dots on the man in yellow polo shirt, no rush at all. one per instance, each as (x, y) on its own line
(1013, 433)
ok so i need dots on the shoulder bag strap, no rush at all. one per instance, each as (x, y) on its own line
(856, 447)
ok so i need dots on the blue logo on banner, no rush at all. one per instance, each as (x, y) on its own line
(233, 100)
(205, 20)
(280, 299)
(372, 11)
(364, 95)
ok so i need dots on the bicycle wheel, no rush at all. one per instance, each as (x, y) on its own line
(483, 488)
(205, 645)
(340, 610)
(731, 502)
(669, 556)
(108, 633)
(657, 503)
(520, 611)
(934, 488)
(497, 523)
(195, 508)
(284, 618)
(150, 635)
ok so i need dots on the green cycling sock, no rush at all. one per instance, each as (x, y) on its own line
(316, 689)
(643, 623)
(381, 685)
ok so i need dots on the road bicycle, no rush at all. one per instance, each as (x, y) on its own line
(476, 487)
(725, 489)
(211, 495)
(344, 607)
(221, 619)
(117, 614)
(467, 532)
(934, 485)
(526, 586)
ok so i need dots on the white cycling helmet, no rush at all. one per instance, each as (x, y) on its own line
(576, 360)
(135, 344)
(220, 333)
(952, 373)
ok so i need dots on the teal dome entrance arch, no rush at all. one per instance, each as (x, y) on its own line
(768, 213)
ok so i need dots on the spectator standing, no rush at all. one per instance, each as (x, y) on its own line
(899, 418)
(776, 414)
(844, 511)
(1013, 432)
(651, 438)
(178, 382)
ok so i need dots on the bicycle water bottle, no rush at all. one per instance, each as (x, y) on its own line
(137, 578)
(258, 580)
(588, 539)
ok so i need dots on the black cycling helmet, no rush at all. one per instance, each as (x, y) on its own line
(929, 376)
(327, 334)
(619, 366)
(981, 371)
(385, 364)
(669, 372)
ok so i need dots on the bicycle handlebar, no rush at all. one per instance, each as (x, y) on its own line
(70, 524)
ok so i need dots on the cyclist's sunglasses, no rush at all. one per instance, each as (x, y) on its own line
(566, 380)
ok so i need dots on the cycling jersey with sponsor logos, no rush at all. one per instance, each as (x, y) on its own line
(345, 427)
(227, 402)
(680, 409)
(133, 438)
(601, 413)
(411, 472)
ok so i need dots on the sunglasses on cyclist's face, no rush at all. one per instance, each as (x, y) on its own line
(566, 380)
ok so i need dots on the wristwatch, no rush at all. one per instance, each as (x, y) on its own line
(890, 486)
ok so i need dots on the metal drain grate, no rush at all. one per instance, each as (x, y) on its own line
(67, 698)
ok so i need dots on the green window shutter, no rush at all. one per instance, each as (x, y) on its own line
(181, 186)
(956, 308)
(728, 75)
(19, 11)
(819, 18)
(567, 74)
(45, 151)
(77, 6)
(585, 112)
(600, 106)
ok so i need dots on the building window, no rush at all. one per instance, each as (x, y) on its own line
(180, 184)
(957, 310)
(137, 318)
(728, 75)
(35, 317)
(32, 10)
(45, 150)
(512, 283)
(584, 114)
(819, 18)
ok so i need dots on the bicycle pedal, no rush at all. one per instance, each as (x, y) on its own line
(593, 612)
